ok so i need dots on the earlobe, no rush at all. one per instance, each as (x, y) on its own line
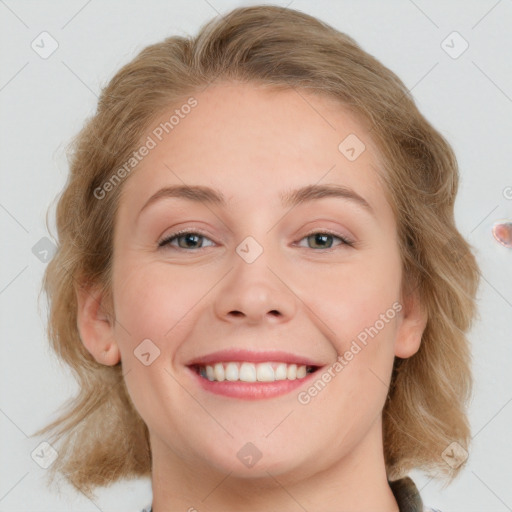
(95, 326)
(412, 324)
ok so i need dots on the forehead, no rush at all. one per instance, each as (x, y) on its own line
(254, 144)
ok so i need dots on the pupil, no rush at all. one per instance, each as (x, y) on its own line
(189, 238)
(318, 237)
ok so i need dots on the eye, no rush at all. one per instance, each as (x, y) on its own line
(324, 239)
(193, 240)
(190, 239)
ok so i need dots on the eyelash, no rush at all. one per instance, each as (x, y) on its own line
(165, 243)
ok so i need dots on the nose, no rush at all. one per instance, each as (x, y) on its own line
(254, 293)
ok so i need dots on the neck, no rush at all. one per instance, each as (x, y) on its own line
(356, 483)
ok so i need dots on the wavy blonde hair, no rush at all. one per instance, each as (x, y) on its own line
(102, 436)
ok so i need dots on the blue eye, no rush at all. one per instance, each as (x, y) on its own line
(322, 238)
(191, 239)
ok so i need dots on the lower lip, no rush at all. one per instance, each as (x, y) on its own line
(251, 390)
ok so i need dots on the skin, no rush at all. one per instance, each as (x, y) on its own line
(252, 144)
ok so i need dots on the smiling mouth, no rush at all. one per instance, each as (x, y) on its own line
(253, 372)
(252, 375)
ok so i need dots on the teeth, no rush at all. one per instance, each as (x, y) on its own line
(249, 372)
(231, 371)
(280, 373)
(218, 372)
(265, 372)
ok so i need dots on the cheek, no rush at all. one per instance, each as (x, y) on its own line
(154, 300)
(353, 300)
(358, 387)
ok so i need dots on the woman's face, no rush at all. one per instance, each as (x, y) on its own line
(252, 286)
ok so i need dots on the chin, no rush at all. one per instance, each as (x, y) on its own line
(256, 460)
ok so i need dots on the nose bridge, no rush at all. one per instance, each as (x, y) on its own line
(254, 290)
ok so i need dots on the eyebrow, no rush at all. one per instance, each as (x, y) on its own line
(203, 194)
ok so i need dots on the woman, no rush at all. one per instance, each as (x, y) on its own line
(259, 282)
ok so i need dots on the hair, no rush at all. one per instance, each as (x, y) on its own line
(278, 48)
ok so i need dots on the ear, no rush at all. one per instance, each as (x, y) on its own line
(412, 323)
(95, 325)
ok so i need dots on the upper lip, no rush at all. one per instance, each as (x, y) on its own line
(240, 355)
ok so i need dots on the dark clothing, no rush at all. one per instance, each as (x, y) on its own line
(405, 492)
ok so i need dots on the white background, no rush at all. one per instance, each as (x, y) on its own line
(44, 102)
